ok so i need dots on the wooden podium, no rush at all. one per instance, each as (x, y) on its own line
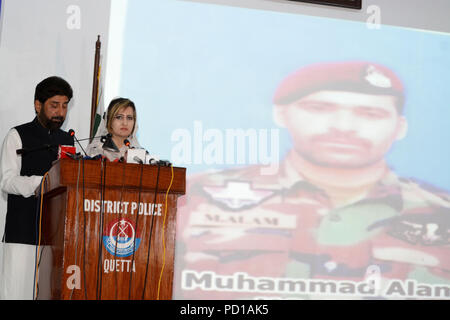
(106, 233)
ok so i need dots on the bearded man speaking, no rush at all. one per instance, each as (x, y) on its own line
(21, 174)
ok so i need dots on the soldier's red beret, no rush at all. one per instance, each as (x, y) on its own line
(356, 76)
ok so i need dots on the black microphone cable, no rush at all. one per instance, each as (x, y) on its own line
(100, 233)
(84, 233)
(116, 278)
(151, 230)
(72, 133)
(136, 228)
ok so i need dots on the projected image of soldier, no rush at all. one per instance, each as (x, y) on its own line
(334, 212)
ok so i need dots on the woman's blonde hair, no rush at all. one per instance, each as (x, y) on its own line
(113, 109)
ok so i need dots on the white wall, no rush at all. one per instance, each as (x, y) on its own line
(44, 38)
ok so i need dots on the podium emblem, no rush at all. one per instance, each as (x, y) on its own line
(121, 238)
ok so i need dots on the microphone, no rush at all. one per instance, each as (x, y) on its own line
(134, 155)
(149, 159)
(105, 137)
(108, 143)
(72, 156)
(72, 133)
(138, 160)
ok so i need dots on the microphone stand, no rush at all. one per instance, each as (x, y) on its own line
(24, 151)
(72, 133)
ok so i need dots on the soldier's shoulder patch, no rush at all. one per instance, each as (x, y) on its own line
(427, 229)
(236, 195)
(219, 177)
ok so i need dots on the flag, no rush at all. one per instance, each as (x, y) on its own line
(100, 103)
(97, 93)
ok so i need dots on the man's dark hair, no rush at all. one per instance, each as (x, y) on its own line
(52, 86)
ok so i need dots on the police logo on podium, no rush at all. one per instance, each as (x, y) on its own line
(121, 238)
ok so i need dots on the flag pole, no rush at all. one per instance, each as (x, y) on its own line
(95, 83)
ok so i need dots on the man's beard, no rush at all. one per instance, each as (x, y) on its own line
(354, 153)
(52, 123)
(335, 162)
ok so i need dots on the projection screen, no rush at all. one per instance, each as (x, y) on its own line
(316, 148)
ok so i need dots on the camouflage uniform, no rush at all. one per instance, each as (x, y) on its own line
(282, 226)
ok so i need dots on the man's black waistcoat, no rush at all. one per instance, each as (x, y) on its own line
(22, 217)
